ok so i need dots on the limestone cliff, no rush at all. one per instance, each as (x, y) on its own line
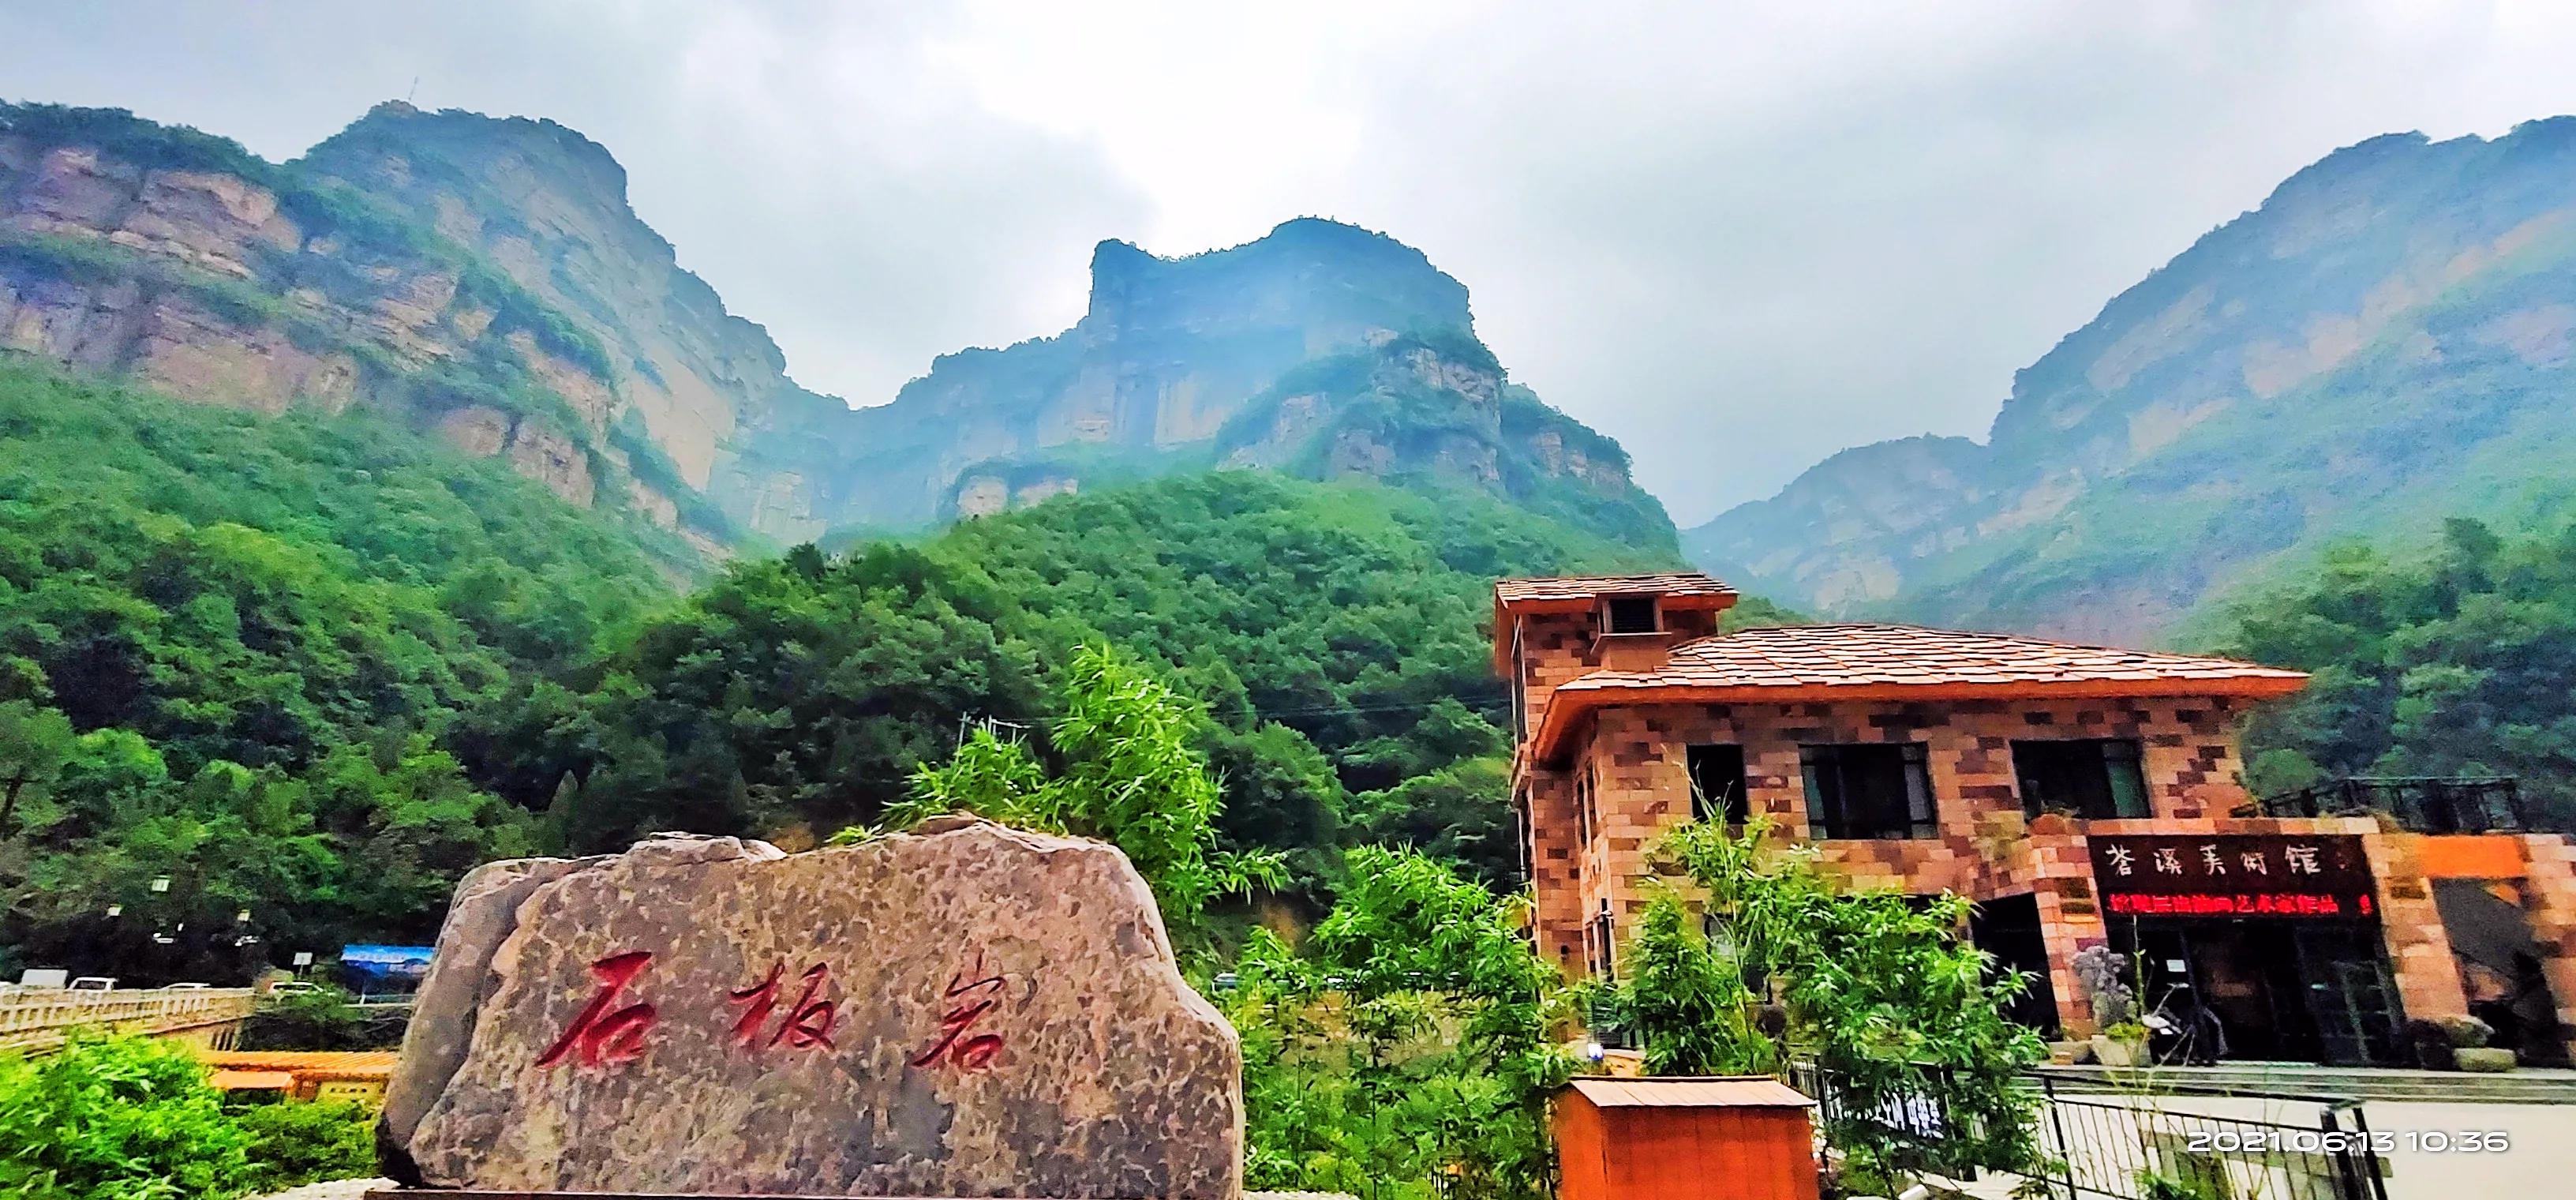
(183, 261)
(548, 207)
(1321, 350)
(486, 279)
(2384, 342)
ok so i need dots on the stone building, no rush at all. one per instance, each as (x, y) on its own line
(2078, 794)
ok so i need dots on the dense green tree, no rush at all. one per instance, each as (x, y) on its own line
(1460, 812)
(1404, 1049)
(34, 742)
(234, 652)
(2460, 661)
(1878, 989)
(789, 693)
(1352, 613)
(1128, 775)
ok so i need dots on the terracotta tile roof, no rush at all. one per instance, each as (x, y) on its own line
(1514, 594)
(1798, 663)
(1754, 1091)
(1854, 655)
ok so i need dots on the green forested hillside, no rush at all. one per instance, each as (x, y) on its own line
(2459, 659)
(314, 667)
(1335, 630)
(233, 652)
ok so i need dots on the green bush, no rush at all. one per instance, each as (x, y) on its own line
(129, 1118)
(299, 1142)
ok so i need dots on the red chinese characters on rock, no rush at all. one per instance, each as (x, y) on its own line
(597, 1036)
(966, 1008)
(808, 1022)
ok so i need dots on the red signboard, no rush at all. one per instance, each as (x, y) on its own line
(2233, 875)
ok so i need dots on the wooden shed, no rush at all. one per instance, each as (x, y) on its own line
(1684, 1139)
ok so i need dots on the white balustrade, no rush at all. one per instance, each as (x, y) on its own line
(39, 1018)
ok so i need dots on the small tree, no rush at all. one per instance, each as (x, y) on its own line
(1903, 1018)
(1131, 777)
(1409, 1041)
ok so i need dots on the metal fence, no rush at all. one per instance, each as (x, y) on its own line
(2170, 1146)
(2420, 804)
(2172, 1143)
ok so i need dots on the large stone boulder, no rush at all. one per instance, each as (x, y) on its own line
(967, 1010)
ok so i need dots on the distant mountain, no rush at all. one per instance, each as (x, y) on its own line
(2389, 340)
(487, 279)
(1322, 351)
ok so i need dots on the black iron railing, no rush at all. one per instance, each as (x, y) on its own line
(2154, 1145)
(2420, 804)
(2110, 1143)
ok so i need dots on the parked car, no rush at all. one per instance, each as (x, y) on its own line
(189, 987)
(292, 987)
(94, 983)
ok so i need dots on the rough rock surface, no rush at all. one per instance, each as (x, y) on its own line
(967, 1010)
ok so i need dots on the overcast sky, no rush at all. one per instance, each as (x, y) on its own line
(1737, 238)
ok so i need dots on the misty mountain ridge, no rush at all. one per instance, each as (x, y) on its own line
(2384, 342)
(488, 279)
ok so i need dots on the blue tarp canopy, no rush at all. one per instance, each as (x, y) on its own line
(387, 962)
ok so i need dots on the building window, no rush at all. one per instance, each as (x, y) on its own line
(1520, 687)
(1583, 808)
(1717, 784)
(1607, 970)
(1629, 614)
(1868, 790)
(2094, 778)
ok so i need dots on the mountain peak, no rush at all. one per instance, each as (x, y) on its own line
(470, 140)
(1307, 272)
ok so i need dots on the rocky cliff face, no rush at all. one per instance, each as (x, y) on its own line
(548, 207)
(486, 279)
(181, 260)
(1322, 350)
(1169, 351)
(2386, 341)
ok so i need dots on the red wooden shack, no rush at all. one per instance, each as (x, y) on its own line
(1684, 1139)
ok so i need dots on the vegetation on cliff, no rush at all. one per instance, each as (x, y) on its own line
(234, 653)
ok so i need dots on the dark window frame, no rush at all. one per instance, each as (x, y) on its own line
(1583, 816)
(1607, 937)
(1834, 772)
(1619, 613)
(2043, 765)
(1718, 776)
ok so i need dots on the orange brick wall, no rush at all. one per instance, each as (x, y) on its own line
(2549, 892)
(1638, 757)
(1986, 848)
(1558, 647)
